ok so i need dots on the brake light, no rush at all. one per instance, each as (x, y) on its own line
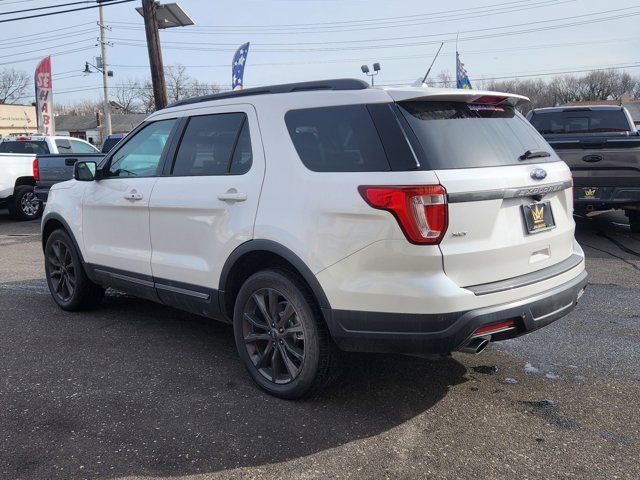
(489, 99)
(36, 170)
(23, 139)
(421, 211)
(496, 328)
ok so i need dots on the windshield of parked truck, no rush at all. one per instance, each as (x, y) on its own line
(24, 146)
(580, 121)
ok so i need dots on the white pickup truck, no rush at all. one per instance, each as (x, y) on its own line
(19, 172)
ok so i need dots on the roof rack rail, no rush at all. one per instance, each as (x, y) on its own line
(337, 84)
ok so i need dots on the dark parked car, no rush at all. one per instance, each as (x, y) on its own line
(602, 147)
(111, 141)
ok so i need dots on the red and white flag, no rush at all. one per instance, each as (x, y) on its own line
(44, 97)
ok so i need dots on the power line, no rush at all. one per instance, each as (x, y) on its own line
(55, 54)
(44, 8)
(411, 21)
(40, 49)
(103, 2)
(407, 57)
(22, 43)
(46, 32)
(369, 42)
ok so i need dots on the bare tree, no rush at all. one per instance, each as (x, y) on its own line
(128, 94)
(81, 107)
(178, 83)
(13, 85)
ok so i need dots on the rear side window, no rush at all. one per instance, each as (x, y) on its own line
(63, 145)
(209, 143)
(580, 121)
(337, 139)
(461, 135)
(35, 147)
(81, 147)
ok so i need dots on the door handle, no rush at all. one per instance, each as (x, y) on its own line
(133, 196)
(232, 197)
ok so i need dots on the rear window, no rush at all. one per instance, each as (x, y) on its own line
(461, 135)
(337, 139)
(580, 121)
(35, 147)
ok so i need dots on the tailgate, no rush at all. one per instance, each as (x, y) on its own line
(488, 238)
(601, 163)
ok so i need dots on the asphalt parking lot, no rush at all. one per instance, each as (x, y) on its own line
(135, 389)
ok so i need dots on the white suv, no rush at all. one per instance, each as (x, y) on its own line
(327, 214)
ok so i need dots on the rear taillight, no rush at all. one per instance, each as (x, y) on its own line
(421, 211)
(36, 171)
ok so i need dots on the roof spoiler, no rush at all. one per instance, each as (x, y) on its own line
(457, 95)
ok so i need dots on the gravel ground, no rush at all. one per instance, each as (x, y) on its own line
(137, 390)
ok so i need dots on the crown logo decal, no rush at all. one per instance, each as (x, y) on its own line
(538, 214)
(590, 192)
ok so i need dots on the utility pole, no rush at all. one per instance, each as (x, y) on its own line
(149, 12)
(105, 77)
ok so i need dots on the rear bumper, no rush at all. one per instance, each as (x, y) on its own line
(444, 333)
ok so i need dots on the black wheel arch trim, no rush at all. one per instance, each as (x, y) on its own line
(58, 217)
(282, 251)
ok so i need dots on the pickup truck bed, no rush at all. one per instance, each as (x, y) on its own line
(53, 169)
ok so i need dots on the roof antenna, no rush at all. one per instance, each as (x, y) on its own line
(430, 66)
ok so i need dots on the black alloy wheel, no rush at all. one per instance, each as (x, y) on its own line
(281, 335)
(68, 283)
(61, 271)
(273, 336)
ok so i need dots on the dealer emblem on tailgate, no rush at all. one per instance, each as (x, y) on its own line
(538, 174)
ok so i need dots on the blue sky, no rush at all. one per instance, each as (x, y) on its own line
(296, 40)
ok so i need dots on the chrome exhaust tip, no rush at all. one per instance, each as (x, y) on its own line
(475, 346)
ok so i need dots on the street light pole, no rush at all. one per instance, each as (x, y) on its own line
(149, 12)
(105, 77)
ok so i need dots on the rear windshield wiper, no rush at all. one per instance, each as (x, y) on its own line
(534, 154)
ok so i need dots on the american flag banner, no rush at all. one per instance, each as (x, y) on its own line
(462, 77)
(237, 67)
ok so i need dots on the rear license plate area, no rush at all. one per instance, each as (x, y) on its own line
(590, 193)
(538, 217)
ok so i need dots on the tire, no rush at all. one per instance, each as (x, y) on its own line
(24, 205)
(68, 283)
(294, 358)
(634, 220)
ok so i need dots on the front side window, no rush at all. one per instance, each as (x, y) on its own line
(211, 142)
(337, 139)
(81, 147)
(141, 155)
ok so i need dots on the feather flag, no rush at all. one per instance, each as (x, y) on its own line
(237, 67)
(462, 77)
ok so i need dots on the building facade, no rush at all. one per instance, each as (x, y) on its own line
(17, 119)
(87, 127)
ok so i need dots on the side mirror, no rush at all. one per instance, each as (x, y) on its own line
(85, 171)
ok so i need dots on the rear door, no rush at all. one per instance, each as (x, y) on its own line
(509, 215)
(205, 204)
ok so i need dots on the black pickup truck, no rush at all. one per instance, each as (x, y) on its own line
(602, 147)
